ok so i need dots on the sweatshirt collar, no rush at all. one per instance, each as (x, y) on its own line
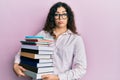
(68, 32)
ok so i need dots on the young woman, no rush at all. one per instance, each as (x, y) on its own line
(69, 55)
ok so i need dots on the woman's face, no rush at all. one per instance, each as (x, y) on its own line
(61, 17)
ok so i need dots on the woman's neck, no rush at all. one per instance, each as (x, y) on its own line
(59, 31)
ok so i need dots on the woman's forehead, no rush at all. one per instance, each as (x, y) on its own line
(61, 10)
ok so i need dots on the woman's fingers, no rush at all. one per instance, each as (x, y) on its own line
(19, 70)
(44, 77)
(20, 73)
(23, 69)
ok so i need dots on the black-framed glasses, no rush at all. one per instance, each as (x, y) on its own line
(64, 16)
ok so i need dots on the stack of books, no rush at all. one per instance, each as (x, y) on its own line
(36, 56)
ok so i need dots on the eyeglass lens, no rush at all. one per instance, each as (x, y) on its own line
(64, 16)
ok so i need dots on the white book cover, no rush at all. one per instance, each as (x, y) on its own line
(45, 52)
(44, 64)
(45, 69)
(45, 60)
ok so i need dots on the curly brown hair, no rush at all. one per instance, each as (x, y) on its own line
(50, 21)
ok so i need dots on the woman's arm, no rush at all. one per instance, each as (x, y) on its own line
(19, 70)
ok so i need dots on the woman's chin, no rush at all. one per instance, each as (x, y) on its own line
(61, 26)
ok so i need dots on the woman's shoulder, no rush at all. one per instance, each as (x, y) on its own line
(45, 34)
(78, 37)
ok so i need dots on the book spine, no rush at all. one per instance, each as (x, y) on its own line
(39, 40)
(32, 40)
(29, 68)
(36, 51)
(37, 70)
(35, 75)
(22, 58)
(28, 43)
(37, 64)
(35, 60)
(42, 48)
(29, 51)
(36, 56)
(29, 63)
(41, 37)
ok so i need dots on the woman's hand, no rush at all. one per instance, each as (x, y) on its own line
(19, 70)
(50, 77)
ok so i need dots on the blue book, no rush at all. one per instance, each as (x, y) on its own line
(34, 64)
(41, 37)
(36, 60)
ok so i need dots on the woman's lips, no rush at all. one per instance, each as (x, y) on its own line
(60, 22)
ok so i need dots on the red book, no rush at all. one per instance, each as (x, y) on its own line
(39, 40)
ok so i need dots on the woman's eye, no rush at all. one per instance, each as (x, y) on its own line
(56, 14)
(65, 14)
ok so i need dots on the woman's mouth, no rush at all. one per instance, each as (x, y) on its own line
(60, 22)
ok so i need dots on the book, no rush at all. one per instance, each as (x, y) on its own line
(36, 75)
(47, 48)
(38, 40)
(36, 56)
(36, 51)
(22, 58)
(34, 43)
(37, 70)
(37, 64)
(34, 37)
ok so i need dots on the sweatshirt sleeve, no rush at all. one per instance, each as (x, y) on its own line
(79, 63)
(17, 58)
